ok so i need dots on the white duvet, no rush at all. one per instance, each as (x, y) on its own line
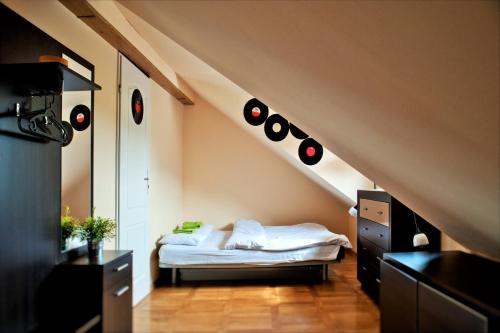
(251, 235)
(299, 236)
(247, 235)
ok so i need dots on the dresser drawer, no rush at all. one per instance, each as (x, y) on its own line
(375, 233)
(377, 211)
(370, 254)
(370, 282)
(117, 308)
(117, 271)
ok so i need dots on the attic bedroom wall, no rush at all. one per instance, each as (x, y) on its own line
(166, 113)
(229, 174)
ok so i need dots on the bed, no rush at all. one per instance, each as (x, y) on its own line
(210, 261)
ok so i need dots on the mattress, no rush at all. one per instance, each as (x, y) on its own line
(211, 252)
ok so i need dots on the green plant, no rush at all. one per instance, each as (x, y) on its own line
(69, 224)
(96, 228)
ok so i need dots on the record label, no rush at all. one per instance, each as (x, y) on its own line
(80, 117)
(276, 127)
(137, 107)
(255, 112)
(310, 151)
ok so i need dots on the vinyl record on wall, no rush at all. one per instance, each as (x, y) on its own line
(297, 132)
(69, 133)
(137, 106)
(310, 151)
(255, 112)
(276, 127)
(80, 117)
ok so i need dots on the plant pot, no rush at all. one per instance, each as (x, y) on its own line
(95, 248)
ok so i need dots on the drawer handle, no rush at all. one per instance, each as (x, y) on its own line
(363, 268)
(365, 228)
(365, 208)
(380, 212)
(378, 281)
(364, 248)
(121, 291)
(120, 268)
(380, 235)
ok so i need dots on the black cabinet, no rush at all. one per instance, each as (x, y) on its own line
(398, 294)
(450, 292)
(385, 225)
(91, 295)
(438, 312)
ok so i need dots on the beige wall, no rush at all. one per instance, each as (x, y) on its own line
(449, 244)
(166, 167)
(229, 174)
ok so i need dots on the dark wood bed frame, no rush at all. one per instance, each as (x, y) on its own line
(299, 270)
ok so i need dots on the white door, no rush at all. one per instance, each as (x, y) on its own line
(133, 170)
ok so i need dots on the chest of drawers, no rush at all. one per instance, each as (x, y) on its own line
(91, 295)
(385, 225)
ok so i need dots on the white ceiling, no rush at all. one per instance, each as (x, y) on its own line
(406, 92)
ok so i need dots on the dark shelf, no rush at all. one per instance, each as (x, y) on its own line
(39, 79)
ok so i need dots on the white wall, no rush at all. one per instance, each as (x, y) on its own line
(229, 174)
(166, 167)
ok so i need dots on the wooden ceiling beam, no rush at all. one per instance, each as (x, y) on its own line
(88, 14)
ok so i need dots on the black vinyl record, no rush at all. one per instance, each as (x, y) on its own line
(68, 137)
(297, 132)
(310, 151)
(137, 106)
(255, 112)
(80, 117)
(276, 127)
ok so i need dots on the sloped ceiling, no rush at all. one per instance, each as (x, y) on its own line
(332, 173)
(406, 92)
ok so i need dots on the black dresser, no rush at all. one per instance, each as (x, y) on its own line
(91, 295)
(439, 292)
(386, 225)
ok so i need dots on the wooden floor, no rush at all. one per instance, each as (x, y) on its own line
(338, 305)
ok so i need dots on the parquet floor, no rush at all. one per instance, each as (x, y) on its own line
(338, 305)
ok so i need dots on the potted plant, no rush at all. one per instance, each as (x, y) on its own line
(68, 227)
(95, 229)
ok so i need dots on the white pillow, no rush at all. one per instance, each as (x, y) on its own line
(188, 239)
(248, 235)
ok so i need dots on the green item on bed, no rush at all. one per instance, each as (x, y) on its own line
(192, 225)
(178, 230)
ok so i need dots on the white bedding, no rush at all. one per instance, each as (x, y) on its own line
(299, 236)
(212, 252)
(248, 235)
